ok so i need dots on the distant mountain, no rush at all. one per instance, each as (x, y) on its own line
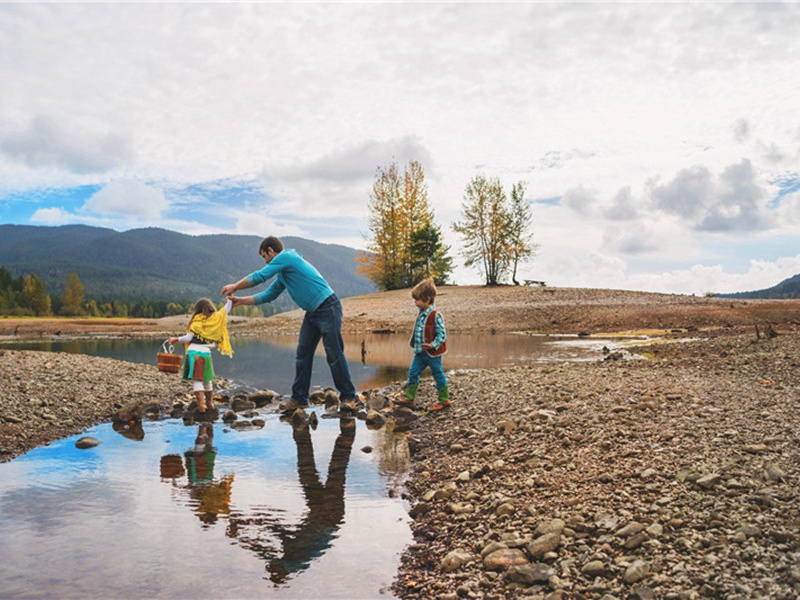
(788, 288)
(158, 264)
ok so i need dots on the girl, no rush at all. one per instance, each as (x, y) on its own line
(207, 327)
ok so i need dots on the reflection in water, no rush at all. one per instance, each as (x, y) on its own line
(301, 543)
(208, 498)
(286, 549)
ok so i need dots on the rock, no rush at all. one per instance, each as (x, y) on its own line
(594, 568)
(367, 449)
(229, 416)
(544, 544)
(642, 593)
(313, 420)
(455, 559)
(130, 412)
(636, 571)
(505, 509)
(506, 426)
(375, 418)
(530, 574)
(708, 481)
(262, 398)
(630, 529)
(755, 448)
(549, 526)
(87, 442)
(502, 559)
(299, 417)
(317, 397)
(239, 405)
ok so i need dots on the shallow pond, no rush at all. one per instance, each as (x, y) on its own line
(270, 512)
(274, 512)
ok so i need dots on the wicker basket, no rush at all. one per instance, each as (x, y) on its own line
(167, 361)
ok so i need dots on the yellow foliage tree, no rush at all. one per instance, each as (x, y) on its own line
(398, 207)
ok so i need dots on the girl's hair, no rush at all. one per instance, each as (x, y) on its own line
(424, 290)
(204, 307)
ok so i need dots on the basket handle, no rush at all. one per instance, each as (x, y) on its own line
(164, 347)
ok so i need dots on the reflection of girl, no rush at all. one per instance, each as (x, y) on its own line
(213, 498)
(208, 327)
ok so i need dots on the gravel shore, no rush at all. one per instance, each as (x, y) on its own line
(673, 477)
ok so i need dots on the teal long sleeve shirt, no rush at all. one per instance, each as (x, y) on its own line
(292, 272)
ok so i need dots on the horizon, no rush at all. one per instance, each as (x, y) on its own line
(450, 283)
(660, 153)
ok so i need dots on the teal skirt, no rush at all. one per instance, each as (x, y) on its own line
(188, 365)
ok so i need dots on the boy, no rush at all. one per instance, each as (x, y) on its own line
(429, 343)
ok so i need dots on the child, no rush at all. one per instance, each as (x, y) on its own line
(429, 343)
(207, 327)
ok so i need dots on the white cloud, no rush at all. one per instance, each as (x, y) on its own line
(52, 216)
(735, 201)
(46, 143)
(130, 199)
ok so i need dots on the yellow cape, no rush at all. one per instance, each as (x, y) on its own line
(213, 329)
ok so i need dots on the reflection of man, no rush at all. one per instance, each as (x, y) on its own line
(325, 503)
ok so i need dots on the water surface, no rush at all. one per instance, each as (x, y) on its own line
(275, 512)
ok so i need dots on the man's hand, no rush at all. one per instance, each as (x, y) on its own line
(228, 290)
(427, 347)
(243, 300)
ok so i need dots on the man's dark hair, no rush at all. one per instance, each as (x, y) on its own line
(271, 242)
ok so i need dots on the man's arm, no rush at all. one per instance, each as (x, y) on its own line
(229, 289)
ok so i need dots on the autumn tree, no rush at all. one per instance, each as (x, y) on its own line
(495, 232)
(398, 209)
(73, 296)
(35, 294)
(520, 236)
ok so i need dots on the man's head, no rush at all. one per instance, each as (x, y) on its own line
(270, 248)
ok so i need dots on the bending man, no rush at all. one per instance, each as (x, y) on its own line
(323, 319)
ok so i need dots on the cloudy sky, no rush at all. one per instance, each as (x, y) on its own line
(660, 143)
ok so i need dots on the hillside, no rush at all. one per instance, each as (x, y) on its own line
(157, 264)
(788, 288)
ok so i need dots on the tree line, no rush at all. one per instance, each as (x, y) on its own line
(27, 296)
(405, 243)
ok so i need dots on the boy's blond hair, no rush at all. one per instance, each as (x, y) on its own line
(425, 290)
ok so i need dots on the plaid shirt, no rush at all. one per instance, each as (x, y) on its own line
(419, 330)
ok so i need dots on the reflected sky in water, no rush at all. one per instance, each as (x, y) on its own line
(275, 512)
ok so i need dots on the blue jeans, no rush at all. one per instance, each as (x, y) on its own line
(324, 323)
(418, 365)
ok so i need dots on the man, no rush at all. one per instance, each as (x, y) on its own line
(323, 319)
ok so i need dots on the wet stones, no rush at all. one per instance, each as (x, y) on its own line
(87, 442)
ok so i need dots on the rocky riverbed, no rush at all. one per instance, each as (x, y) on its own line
(47, 396)
(675, 477)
